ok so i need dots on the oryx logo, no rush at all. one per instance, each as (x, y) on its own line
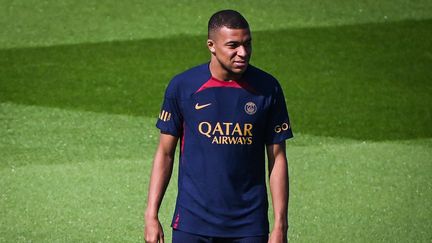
(250, 108)
(199, 107)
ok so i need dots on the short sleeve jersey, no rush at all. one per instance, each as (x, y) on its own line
(223, 128)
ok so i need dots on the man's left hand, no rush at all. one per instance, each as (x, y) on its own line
(278, 236)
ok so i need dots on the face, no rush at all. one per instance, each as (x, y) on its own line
(231, 50)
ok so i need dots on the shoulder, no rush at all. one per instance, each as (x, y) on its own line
(262, 81)
(189, 80)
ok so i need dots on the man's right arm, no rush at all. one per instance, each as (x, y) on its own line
(160, 176)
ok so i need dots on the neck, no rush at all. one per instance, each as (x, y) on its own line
(218, 72)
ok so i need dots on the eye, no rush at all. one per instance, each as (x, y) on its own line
(232, 45)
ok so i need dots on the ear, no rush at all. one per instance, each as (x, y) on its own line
(210, 45)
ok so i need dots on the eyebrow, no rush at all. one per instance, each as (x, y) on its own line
(236, 42)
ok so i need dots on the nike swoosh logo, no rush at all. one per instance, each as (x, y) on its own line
(199, 107)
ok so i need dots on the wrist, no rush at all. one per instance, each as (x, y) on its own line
(151, 215)
(280, 225)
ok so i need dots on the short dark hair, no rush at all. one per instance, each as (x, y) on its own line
(228, 18)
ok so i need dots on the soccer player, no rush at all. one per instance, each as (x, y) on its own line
(225, 114)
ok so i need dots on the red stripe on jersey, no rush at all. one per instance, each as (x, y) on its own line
(182, 140)
(176, 221)
(215, 83)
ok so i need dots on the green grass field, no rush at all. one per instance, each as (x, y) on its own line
(81, 86)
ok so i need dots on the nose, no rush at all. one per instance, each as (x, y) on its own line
(242, 51)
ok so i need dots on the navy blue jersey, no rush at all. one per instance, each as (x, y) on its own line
(224, 127)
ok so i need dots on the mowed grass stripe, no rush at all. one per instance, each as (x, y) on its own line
(341, 189)
(75, 176)
(361, 192)
(44, 23)
(368, 82)
(31, 135)
(88, 201)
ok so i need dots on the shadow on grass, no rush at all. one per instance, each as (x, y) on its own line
(369, 82)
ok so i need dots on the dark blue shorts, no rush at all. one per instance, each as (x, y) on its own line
(183, 237)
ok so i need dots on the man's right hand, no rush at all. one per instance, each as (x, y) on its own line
(153, 232)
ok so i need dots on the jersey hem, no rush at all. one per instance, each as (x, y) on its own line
(164, 131)
(280, 140)
(213, 234)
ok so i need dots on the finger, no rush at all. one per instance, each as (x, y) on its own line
(161, 239)
(150, 240)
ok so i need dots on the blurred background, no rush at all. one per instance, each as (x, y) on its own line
(81, 85)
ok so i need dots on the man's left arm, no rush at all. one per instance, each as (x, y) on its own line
(279, 187)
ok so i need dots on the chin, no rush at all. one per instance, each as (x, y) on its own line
(239, 70)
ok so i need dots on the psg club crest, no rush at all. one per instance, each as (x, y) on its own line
(250, 108)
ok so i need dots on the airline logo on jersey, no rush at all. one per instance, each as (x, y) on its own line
(199, 107)
(227, 132)
(165, 116)
(250, 108)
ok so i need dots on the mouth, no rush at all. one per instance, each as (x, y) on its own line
(240, 64)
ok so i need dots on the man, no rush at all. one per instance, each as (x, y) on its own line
(225, 113)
